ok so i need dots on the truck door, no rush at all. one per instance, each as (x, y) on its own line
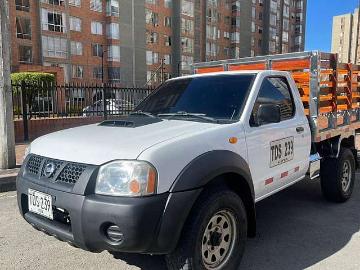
(277, 152)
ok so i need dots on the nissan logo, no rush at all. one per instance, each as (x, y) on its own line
(49, 169)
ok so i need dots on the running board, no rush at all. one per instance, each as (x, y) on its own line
(314, 168)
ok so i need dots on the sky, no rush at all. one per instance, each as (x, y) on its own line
(319, 21)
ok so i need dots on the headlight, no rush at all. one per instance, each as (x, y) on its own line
(126, 178)
(27, 152)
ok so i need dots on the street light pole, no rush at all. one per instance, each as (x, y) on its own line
(7, 137)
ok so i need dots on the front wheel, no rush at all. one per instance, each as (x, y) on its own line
(214, 235)
(338, 176)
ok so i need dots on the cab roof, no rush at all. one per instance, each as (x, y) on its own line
(248, 72)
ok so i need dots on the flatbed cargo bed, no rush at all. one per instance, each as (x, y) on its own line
(330, 91)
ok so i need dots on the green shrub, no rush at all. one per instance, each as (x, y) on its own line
(37, 84)
(32, 78)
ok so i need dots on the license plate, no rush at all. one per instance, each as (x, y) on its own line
(281, 151)
(40, 203)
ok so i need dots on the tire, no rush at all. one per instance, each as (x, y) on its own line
(223, 206)
(333, 175)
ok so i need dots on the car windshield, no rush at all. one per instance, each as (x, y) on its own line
(219, 97)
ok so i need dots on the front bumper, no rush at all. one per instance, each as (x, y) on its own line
(90, 216)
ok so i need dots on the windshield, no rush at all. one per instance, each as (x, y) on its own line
(219, 96)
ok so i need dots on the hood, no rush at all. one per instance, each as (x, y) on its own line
(96, 144)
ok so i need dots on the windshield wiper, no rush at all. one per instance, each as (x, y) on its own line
(201, 116)
(143, 114)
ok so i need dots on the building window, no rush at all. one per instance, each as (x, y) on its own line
(273, 6)
(76, 48)
(273, 19)
(75, 3)
(23, 28)
(96, 28)
(167, 59)
(167, 40)
(212, 32)
(226, 51)
(168, 3)
(272, 33)
(167, 21)
(286, 12)
(96, 5)
(25, 54)
(151, 37)
(97, 72)
(152, 2)
(211, 49)
(52, 21)
(235, 37)
(112, 8)
(22, 5)
(113, 31)
(285, 37)
(235, 6)
(97, 50)
(114, 53)
(152, 58)
(75, 24)
(299, 4)
(187, 26)
(187, 45)
(114, 74)
(187, 8)
(77, 71)
(186, 62)
(54, 47)
(151, 17)
(272, 46)
(54, 2)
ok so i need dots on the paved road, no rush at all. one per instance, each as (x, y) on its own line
(297, 229)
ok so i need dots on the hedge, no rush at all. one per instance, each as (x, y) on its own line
(41, 82)
(32, 78)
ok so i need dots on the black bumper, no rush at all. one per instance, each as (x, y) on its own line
(149, 225)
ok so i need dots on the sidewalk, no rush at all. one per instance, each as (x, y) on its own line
(8, 177)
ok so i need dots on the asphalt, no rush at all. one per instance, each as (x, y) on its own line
(297, 229)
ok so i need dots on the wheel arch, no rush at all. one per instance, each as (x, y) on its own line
(219, 168)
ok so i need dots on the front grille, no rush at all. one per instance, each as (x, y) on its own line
(65, 172)
(57, 164)
(71, 173)
(34, 164)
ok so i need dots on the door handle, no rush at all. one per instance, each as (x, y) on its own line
(299, 129)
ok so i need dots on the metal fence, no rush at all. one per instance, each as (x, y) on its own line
(74, 100)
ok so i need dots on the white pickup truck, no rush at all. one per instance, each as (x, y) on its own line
(182, 174)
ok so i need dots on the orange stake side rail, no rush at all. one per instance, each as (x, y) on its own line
(330, 91)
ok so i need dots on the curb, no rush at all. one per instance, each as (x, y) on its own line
(8, 180)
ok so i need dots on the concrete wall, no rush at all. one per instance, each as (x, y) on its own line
(132, 35)
(341, 38)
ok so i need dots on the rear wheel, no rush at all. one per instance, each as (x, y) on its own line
(214, 235)
(338, 176)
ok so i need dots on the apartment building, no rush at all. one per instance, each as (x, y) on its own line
(80, 39)
(345, 37)
(138, 42)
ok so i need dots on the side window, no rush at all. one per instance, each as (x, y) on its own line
(275, 91)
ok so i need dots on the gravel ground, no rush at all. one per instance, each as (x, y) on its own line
(297, 229)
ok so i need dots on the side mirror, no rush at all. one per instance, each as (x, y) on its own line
(268, 114)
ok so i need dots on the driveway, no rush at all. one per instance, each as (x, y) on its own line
(297, 229)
